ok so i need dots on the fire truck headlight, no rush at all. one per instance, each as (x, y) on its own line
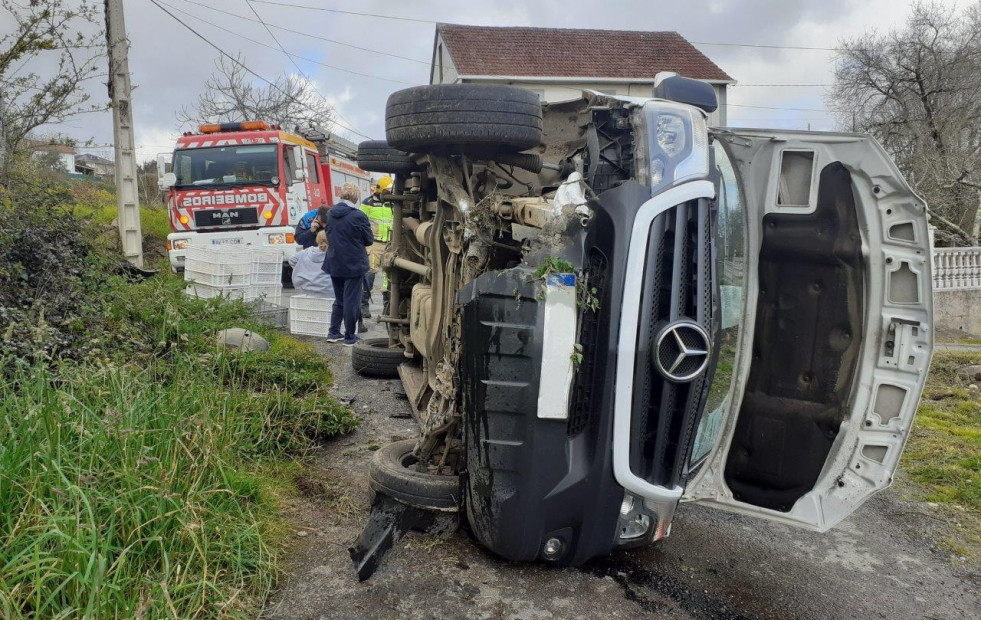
(183, 219)
(180, 244)
(277, 239)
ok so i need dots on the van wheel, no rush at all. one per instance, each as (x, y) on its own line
(463, 118)
(378, 156)
(392, 472)
(372, 357)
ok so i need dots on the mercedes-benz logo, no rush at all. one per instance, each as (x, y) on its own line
(681, 351)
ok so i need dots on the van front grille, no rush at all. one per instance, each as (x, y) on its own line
(677, 286)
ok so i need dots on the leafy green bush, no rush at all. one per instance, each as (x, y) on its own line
(48, 278)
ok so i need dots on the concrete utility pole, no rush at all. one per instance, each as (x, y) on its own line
(3, 137)
(127, 193)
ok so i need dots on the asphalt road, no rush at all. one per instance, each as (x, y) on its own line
(880, 563)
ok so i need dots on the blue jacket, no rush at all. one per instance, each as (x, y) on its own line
(348, 236)
(303, 235)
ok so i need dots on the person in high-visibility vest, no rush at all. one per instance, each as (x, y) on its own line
(380, 216)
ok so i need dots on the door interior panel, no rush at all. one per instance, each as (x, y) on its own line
(807, 340)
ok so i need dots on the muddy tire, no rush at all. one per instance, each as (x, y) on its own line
(372, 357)
(463, 118)
(391, 473)
(378, 156)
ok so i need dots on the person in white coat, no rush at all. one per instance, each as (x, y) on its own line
(309, 277)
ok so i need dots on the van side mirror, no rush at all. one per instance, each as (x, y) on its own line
(166, 181)
(673, 87)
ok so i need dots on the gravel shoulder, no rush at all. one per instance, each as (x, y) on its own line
(882, 562)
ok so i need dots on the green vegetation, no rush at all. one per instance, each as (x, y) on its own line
(97, 205)
(552, 264)
(141, 468)
(586, 296)
(943, 456)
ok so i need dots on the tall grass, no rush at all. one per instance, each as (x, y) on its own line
(144, 480)
(129, 493)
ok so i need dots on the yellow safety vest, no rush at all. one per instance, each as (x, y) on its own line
(380, 217)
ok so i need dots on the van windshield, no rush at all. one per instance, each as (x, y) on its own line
(227, 166)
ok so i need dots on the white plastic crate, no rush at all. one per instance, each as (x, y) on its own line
(218, 261)
(204, 291)
(267, 256)
(267, 274)
(269, 292)
(309, 328)
(267, 266)
(310, 302)
(210, 279)
(220, 253)
(267, 279)
(310, 315)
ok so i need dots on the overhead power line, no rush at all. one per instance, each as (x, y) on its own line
(764, 107)
(236, 60)
(384, 53)
(299, 70)
(311, 36)
(787, 85)
(266, 45)
(292, 56)
(431, 21)
(339, 11)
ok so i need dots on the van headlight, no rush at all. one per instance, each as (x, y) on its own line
(676, 148)
(276, 239)
(181, 244)
(633, 523)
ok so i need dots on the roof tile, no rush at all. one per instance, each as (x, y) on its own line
(561, 52)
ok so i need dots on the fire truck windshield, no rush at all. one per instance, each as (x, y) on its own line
(227, 166)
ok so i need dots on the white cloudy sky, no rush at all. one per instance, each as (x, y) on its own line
(169, 64)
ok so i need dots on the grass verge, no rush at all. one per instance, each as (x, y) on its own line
(97, 205)
(144, 481)
(943, 457)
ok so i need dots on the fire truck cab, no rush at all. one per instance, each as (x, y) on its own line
(249, 183)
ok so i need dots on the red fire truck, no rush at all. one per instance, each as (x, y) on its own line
(249, 183)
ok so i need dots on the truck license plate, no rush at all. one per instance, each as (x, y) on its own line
(226, 242)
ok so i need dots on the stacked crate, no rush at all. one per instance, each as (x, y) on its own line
(218, 272)
(267, 275)
(310, 315)
(249, 274)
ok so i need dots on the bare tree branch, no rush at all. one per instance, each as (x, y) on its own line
(231, 95)
(918, 91)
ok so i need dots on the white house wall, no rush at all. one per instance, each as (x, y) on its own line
(445, 61)
(67, 161)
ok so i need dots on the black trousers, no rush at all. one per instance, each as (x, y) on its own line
(369, 283)
(347, 306)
